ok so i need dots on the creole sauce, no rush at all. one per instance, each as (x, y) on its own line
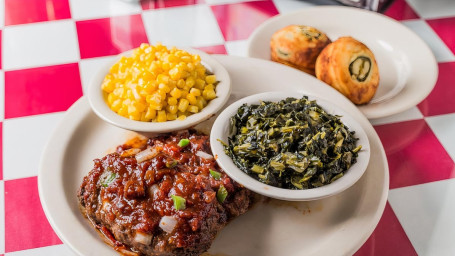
(136, 195)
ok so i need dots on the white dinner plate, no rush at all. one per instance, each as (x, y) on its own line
(408, 69)
(336, 225)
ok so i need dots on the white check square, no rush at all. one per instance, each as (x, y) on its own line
(39, 44)
(2, 217)
(443, 127)
(55, 250)
(426, 213)
(24, 140)
(438, 47)
(287, 6)
(89, 9)
(195, 26)
(433, 9)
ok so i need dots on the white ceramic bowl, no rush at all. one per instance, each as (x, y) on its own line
(99, 106)
(220, 130)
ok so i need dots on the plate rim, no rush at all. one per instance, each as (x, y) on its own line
(81, 115)
(366, 109)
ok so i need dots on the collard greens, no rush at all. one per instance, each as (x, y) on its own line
(291, 144)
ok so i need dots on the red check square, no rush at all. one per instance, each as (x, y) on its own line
(237, 21)
(400, 10)
(154, 4)
(414, 153)
(41, 90)
(440, 100)
(444, 27)
(110, 36)
(388, 238)
(26, 226)
(26, 11)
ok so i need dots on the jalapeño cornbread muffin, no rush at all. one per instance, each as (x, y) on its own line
(298, 46)
(350, 67)
(158, 84)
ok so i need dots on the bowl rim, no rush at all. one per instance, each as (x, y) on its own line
(97, 102)
(354, 173)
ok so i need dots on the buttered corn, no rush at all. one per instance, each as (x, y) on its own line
(158, 84)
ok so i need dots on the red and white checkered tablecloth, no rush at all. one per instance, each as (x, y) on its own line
(50, 49)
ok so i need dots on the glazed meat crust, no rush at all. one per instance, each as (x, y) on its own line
(126, 197)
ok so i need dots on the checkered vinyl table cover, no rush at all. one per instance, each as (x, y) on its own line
(47, 44)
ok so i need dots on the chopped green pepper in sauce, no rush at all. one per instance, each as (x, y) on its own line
(291, 144)
(179, 202)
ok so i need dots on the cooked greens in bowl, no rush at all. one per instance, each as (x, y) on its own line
(290, 146)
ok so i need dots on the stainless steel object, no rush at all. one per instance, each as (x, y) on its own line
(372, 5)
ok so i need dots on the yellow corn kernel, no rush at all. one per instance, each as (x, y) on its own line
(111, 98)
(164, 88)
(181, 83)
(209, 87)
(143, 119)
(148, 76)
(166, 66)
(171, 116)
(183, 104)
(151, 114)
(190, 82)
(209, 94)
(114, 68)
(156, 107)
(176, 93)
(116, 105)
(181, 117)
(195, 92)
(161, 117)
(211, 79)
(108, 86)
(123, 111)
(193, 109)
(118, 92)
(200, 70)
(171, 101)
(191, 99)
(172, 109)
(200, 83)
(186, 58)
(184, 94)
(200, 102)
(204, 102)
(132, 109)
(164, 79)
(135, 116)
(190, 67)
(172, 58)
(126, 102)
(149, 88)
(141, 107)
(196, 58)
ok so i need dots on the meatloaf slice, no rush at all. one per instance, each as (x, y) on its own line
(161, 197)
